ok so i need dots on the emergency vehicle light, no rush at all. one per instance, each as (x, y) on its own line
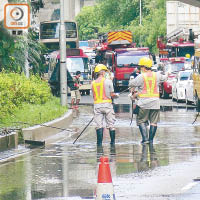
(133, 49)
(177, 59)
(164, 59)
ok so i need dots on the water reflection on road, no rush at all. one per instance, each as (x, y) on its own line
(65, 170)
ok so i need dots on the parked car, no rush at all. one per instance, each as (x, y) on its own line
(179, 85)
(172, 67)
(189, 91)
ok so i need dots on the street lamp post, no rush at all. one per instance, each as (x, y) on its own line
(63, 71)
(140, 12)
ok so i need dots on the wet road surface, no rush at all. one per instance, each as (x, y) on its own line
(63, 170)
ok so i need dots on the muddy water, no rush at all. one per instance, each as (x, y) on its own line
(65, 170)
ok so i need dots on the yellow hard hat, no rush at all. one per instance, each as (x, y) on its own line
(187, 55)
(100, 67)
(147, 62)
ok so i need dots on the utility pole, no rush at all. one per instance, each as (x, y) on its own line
(63, 70)
(140, 12)
(26, 65)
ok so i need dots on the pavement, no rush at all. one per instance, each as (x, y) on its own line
(192, 188)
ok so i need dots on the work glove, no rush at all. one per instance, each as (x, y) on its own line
(130, 95)
(116, 95)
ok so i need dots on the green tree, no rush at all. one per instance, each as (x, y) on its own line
(13, 48)
(153, 25)
(12, 52)
(88, 23)
(109, 15)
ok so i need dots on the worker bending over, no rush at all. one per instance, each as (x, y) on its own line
(147, 84)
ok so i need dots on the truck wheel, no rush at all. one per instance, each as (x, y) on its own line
(82, 92)
(116, 88)
(165, 94)
(88, 92)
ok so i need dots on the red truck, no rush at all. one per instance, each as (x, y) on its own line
(121, 56)
(123, 62)
(179, 43)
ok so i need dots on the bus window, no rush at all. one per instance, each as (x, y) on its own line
(51, 30)
(49, 34)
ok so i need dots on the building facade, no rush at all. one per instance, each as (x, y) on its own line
(51, 10)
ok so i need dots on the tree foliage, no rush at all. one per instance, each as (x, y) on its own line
(13, 52)
(109, 15)
(13, 49)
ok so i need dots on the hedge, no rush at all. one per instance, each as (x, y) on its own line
(16, 89)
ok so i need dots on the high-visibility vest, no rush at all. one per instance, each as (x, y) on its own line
(150, 85)
(99, 93)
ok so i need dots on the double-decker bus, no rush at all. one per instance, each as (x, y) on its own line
(49, 34)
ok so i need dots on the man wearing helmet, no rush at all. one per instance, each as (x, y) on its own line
(103, 93)
(148, 99)
(187, 56)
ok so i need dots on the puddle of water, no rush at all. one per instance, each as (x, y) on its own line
(67, 171)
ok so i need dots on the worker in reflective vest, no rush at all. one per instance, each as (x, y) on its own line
(148, 99)
(103, 93)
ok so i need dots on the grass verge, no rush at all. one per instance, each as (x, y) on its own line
(34, 114)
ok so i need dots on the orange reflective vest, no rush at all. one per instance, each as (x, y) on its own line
(150, 85)
(99, 93)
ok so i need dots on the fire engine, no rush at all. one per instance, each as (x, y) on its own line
(121, 56)
(179, 43)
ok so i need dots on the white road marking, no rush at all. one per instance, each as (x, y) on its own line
(189, 186)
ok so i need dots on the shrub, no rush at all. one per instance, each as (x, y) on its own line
(16, 89)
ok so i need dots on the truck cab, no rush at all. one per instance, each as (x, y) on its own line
(123, 62)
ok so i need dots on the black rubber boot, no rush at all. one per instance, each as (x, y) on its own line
(144, 153)
(99, 136)
(152, 132)
(100, 152)
(143, 131)
(112, 137)
(112, 150)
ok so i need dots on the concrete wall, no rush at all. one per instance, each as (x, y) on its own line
(8, 141)
(72, 8)
(2, 3)
(181, 15)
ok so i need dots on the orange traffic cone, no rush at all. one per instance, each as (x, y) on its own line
(104, 189)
